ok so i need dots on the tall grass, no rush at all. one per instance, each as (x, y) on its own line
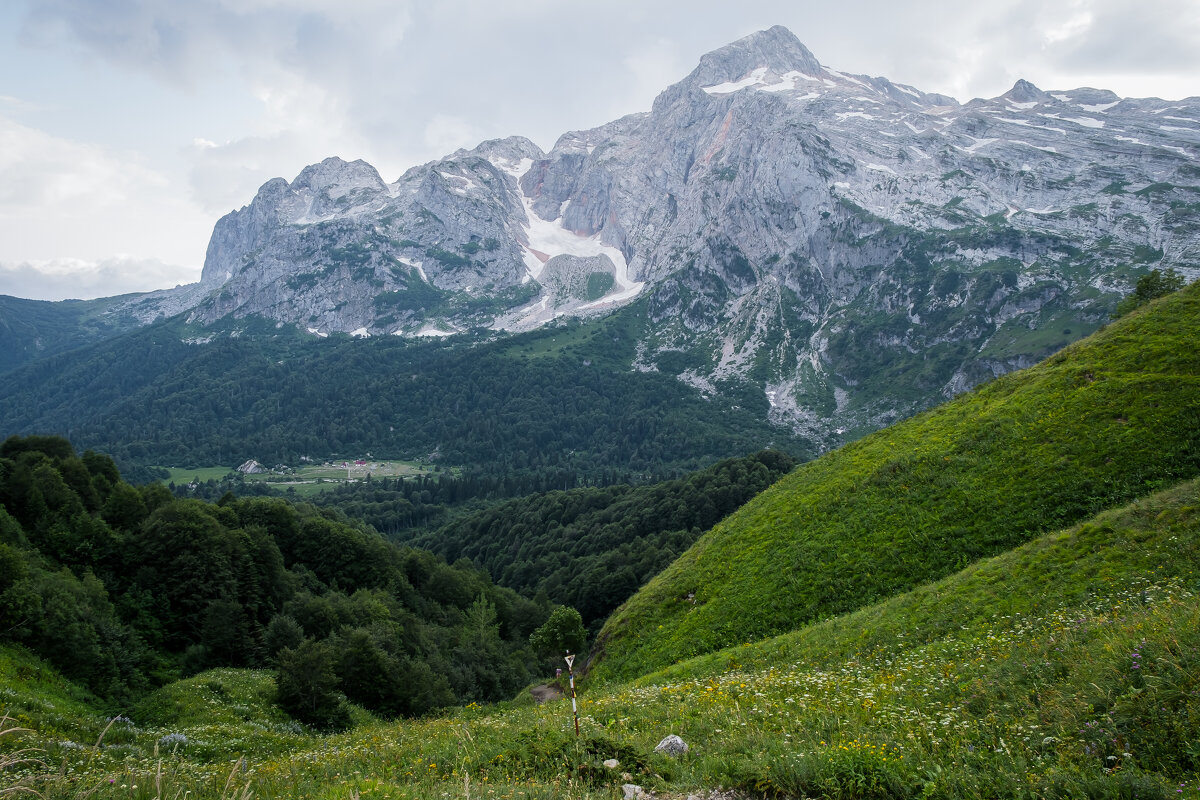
(1097, 425)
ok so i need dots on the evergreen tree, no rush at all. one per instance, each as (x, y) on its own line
(307, 686)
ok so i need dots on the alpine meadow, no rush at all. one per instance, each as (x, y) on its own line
(808, 435)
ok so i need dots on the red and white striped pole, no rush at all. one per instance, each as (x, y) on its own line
(570, 659)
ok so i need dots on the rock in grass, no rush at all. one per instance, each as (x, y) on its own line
(672, 746)
(612, 763)
(634, 792)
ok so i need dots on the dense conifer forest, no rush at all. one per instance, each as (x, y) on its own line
(591, 548)
(562, 400)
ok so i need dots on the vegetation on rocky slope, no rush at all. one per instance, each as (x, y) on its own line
(560, 401)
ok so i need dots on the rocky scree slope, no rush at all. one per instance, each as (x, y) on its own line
(854, 248)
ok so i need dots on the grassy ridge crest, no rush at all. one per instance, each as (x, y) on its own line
(1107, 420)
(1154, 541)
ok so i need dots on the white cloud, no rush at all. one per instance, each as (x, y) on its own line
(180, 42)
(39, 169)
(62, 199)
(444, 134)
(653, 66)
(1063, 24)
(79, 279)
(224, 177)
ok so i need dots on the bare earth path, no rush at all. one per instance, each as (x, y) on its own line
(545, 692)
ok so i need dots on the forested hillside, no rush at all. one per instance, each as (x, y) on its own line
(562, 399)
(591, 548)
(125, 588)
(1067, 667)
(1102, 422)
(33, 329)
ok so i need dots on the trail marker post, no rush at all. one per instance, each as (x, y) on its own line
(570, 659)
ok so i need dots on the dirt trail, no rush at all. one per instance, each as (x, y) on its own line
(544, 693)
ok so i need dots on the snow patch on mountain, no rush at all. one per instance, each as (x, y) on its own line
(548, 238)
(754, 78)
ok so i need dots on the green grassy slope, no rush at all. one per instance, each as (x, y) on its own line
(71, 745)
(1098, 424)
(1067, 667)
(1136, 555)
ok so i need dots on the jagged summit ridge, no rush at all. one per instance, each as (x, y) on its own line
(777, 49)
(1025, 92)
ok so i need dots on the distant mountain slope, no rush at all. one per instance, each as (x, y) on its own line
(849, 249)
(1102, 422)
(560, 398)
(33, 329)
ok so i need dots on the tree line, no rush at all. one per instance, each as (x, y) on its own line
(544, 536)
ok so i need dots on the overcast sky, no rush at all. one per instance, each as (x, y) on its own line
(128, 127)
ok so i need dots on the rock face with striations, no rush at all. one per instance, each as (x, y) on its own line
(840, 249)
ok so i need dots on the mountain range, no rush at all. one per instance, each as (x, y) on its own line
(850, 249)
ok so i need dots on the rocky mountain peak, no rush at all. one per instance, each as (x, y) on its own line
(774, 51)
(510, 149)
(336, 177)
(1025, 92)
(783, 223)
(776, 48)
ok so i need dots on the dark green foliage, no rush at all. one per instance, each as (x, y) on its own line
(283, 632)
(70, 622)
(562, 633)
(303, 281)
(417, 295)
(307, 686)
(1151, 286)
(560, 399)
(186, 558)
(121, 588)
(591, 548)
(598, 285)
(445, 257)
(395, 505)
(367, 674)
(32, 329)
(479, 648)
